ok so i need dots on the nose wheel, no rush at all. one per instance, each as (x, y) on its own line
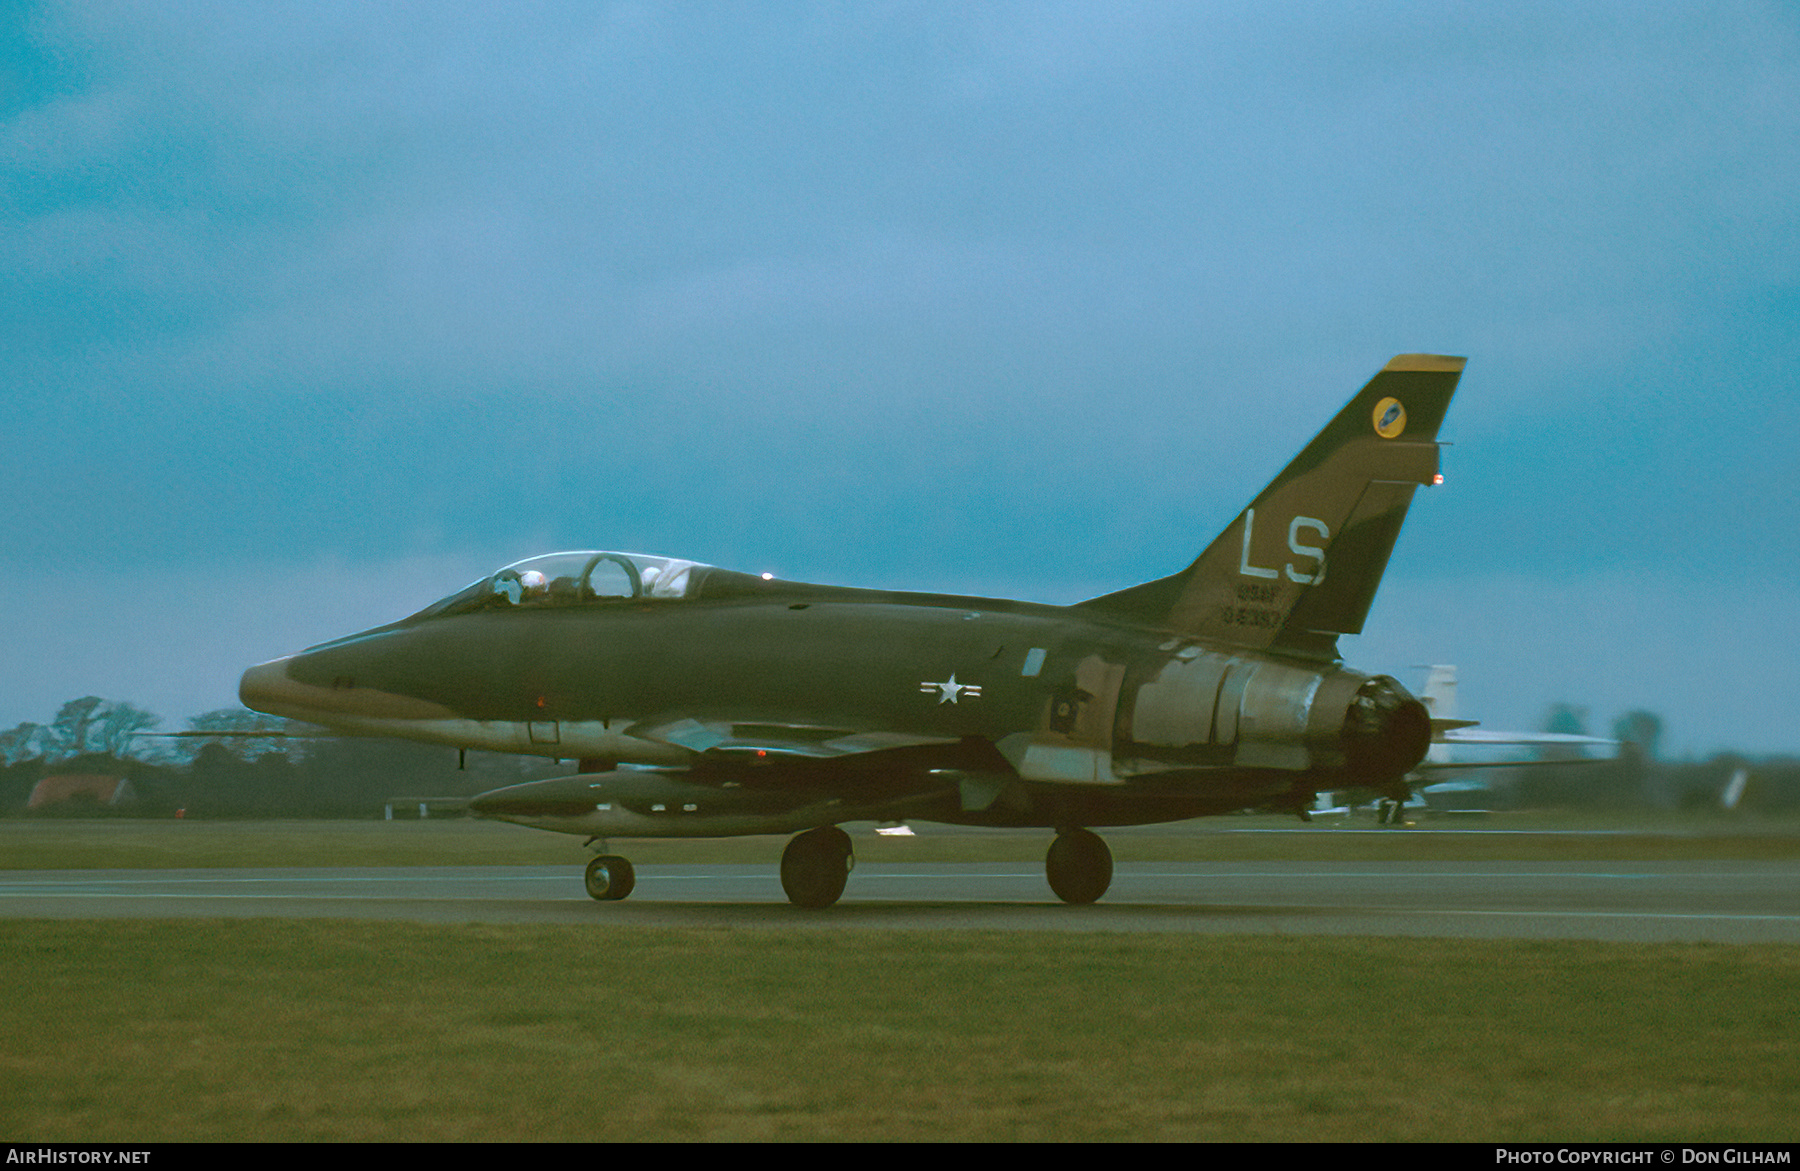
(815, 866)
(1079, 866)
(609, 878)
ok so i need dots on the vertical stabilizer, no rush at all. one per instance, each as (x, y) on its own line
(1301, 564)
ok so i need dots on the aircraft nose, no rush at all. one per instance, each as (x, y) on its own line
(264, 685)
(327, 686)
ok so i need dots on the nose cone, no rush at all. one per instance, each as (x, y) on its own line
(334, 689)
(264, 686)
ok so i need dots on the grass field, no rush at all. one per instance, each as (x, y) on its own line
(55, 844)
(312, 1029)
(148, 1031)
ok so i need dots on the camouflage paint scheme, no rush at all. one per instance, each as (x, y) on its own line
(745, 705)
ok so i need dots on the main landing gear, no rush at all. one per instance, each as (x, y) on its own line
(815, 866)
(1079, 866)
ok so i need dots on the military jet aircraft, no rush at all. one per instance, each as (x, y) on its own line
(705, 702)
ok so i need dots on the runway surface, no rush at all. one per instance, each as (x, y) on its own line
(1727, 902)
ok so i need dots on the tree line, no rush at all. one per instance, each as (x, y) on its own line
(238, 763)
(235, 763)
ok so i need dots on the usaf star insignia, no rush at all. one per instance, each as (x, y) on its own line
(948, 692)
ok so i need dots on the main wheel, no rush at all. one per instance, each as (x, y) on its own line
(815, 866)
(610, 878)
(1079, 866)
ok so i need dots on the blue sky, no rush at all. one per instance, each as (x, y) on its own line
(312, 313)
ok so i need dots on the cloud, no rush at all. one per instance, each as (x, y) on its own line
(862, 291)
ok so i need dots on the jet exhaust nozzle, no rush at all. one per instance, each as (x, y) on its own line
(1386, 732)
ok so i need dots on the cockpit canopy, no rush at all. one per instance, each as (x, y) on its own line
(573, 579)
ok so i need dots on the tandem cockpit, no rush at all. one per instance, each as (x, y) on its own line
(580, 578)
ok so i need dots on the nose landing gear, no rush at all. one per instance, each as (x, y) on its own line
(609, 878)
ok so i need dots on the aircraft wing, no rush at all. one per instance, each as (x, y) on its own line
(1432, 766)
(1469, 735)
